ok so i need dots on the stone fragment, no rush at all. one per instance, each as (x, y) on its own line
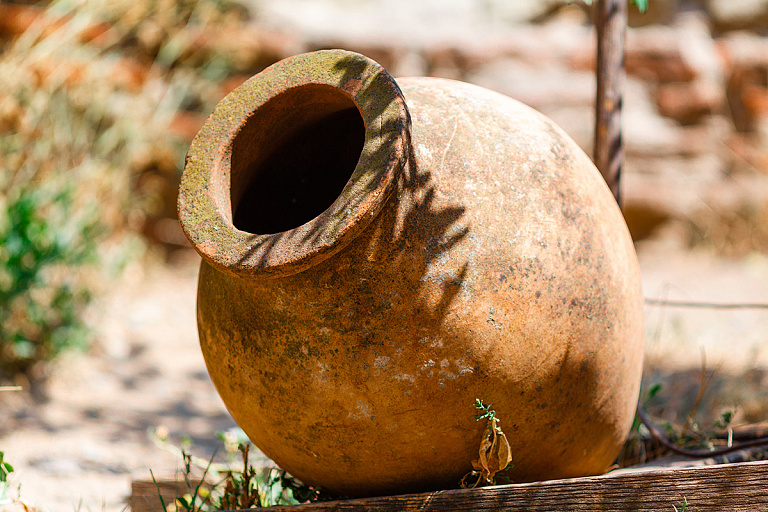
(689, 103)
(730, 15)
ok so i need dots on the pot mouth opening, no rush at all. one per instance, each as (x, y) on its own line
(303, 164)
(294, 164)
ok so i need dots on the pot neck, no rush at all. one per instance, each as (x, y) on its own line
(294, 164)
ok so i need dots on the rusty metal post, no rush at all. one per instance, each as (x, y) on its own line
(611, 25)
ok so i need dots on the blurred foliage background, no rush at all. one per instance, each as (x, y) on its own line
(98, 102)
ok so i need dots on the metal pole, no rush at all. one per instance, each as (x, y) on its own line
(611, 25)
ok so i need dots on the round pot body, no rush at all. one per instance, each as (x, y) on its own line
(379, 255)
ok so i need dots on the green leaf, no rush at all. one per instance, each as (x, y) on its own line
(653, 391)
(159, 492)
(5, 468)
(185, 503)
(725, 420)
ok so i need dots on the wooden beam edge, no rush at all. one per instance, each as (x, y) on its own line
(732, 487)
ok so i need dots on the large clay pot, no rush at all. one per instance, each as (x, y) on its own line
(377, 255)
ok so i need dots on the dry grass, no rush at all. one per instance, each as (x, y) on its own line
(91, 150)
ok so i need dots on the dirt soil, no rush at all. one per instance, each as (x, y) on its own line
(92, 436)
(82, 448)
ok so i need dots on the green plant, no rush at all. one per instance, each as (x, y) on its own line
(495, 455)
(5, 470)
(685, 505)
(635, 449)
(44, 242)
(269, 487)
(689, 439)
(249, 488)
(78, 147)
(58, 188)
(91, 153)
(725, 419)
(224, 487)
(241, 490)
(195, 500)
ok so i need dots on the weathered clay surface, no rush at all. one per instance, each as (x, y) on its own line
(477, 254)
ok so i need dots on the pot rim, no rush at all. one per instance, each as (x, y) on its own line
(204, 206)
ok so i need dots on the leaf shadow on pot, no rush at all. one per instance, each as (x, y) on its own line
(385, 155)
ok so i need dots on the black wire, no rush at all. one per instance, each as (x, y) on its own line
(695, 454)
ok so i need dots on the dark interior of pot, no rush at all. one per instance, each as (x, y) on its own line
(293, 157)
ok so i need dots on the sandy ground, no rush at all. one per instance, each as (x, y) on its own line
(81, 449)
(146, 371)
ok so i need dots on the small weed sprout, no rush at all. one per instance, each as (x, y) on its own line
(495, 455)
(241, 490)
(222, 487)
(195, 500)
(5, 485)
(251, 489)
(5, 470)
(685, 505)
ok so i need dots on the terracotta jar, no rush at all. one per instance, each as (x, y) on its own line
(379, 254)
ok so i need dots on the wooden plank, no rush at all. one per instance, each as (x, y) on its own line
(676, 461)
(145, 496)
(611, 26)
(726, 487)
